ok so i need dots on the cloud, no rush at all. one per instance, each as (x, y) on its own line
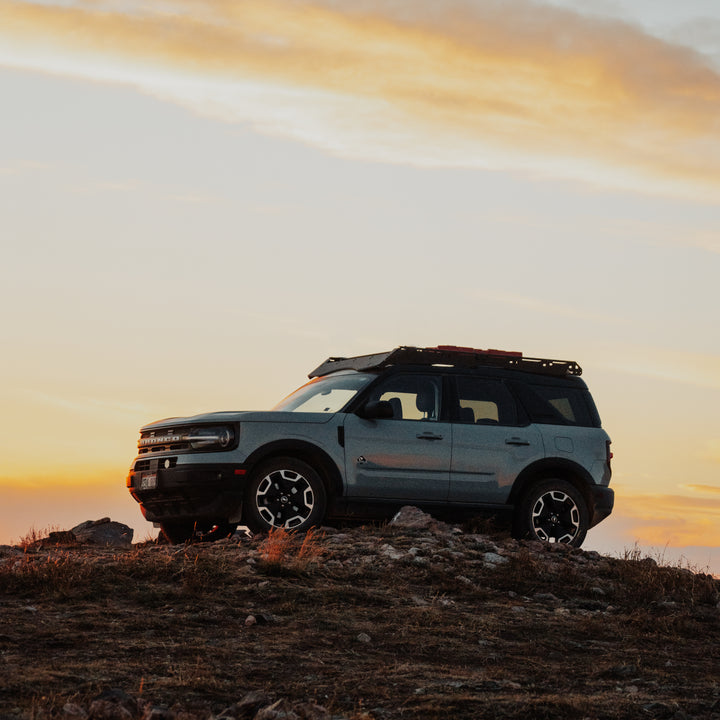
(507, 85)
(674, 520)
(678, 366)
(83, 405)
(539, 306)
(713, 489)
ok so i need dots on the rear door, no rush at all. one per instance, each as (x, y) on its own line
(406, 457)
(490, 447)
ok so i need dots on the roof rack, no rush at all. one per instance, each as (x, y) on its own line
(452, 355)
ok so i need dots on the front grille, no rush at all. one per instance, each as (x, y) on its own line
(165, 440)
(165, 447)
(154, 464)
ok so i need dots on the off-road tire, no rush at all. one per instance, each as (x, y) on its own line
(284, 493)
(178, 532)
(552, 510)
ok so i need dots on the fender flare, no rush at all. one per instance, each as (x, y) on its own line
(558, 467)
(313, 455)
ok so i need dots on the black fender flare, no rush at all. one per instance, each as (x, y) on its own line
(554, 467)
(313, 455)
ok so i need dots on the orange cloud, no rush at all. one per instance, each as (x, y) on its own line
(511, 84)
(713, 489)
(672, 520)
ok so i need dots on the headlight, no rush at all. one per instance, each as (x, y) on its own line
(204, 438)
(181, 438)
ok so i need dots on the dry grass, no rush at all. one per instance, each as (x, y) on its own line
(33, 536)
(379, 624)
(286, 552)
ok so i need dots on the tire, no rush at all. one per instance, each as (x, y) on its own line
(209, 532)
(284, 493)
(553, 511)
(178, 532)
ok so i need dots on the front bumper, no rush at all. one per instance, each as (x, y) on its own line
(603, 501)
(188, 492)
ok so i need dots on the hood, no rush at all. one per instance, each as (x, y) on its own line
(235, 416)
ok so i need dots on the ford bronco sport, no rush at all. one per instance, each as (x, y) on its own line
(456, 431)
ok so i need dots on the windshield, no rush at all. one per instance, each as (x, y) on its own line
(328, 394)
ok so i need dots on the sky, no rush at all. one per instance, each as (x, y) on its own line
(201, 201)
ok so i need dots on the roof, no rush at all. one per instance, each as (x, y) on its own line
(450, 355)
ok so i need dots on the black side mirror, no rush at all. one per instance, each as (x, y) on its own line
(376, 410)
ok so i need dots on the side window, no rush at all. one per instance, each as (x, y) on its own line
(484, 402)
(567, 404)
(413, 397)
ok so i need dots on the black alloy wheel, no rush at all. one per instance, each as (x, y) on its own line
(553, 511)
(284, 493)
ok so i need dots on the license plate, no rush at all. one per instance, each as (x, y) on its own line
(148, 481)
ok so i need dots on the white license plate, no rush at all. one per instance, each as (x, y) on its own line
(148, 481)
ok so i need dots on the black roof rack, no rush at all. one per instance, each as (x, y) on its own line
(449, 355)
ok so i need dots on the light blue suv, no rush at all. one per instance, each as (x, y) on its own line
(456, 431)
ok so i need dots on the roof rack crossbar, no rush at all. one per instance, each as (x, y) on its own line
(449, 355)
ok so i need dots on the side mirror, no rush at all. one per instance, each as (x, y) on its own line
(376, 410)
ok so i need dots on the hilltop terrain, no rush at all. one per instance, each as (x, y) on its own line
(414, 619)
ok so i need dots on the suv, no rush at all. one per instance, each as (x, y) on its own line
(457, 431)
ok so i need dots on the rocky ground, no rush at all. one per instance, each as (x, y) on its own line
(414, 619)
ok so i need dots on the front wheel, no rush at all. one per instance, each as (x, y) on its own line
(284, 493)
(177, 532)
(553, 511)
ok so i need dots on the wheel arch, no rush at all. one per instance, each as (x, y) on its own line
(311, 454)
(560, 468)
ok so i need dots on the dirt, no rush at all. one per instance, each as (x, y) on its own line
(361, 623)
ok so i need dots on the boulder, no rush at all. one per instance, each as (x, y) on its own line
(60, 537)
(103, 532)
(412, 518)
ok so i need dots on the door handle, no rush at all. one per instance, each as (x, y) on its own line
(428, 436)
(516, 441)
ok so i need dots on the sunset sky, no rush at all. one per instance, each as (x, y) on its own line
(200, 200)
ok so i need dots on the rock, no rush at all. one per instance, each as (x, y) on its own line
(280, 710)
(311, 711)
(103, 532)
(391, 552)
(413, 518)
(247, 707)
(114, 704)
(71, 711)
(364, 638)
(61, 537)
(491, 558)
(10, 551)
(158, 712)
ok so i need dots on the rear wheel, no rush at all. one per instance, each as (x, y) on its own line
(553, 511)
(284, 493)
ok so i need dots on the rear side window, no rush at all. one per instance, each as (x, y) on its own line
(484, 402)
(558, 405)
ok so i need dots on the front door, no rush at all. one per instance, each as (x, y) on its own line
(406, 457)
